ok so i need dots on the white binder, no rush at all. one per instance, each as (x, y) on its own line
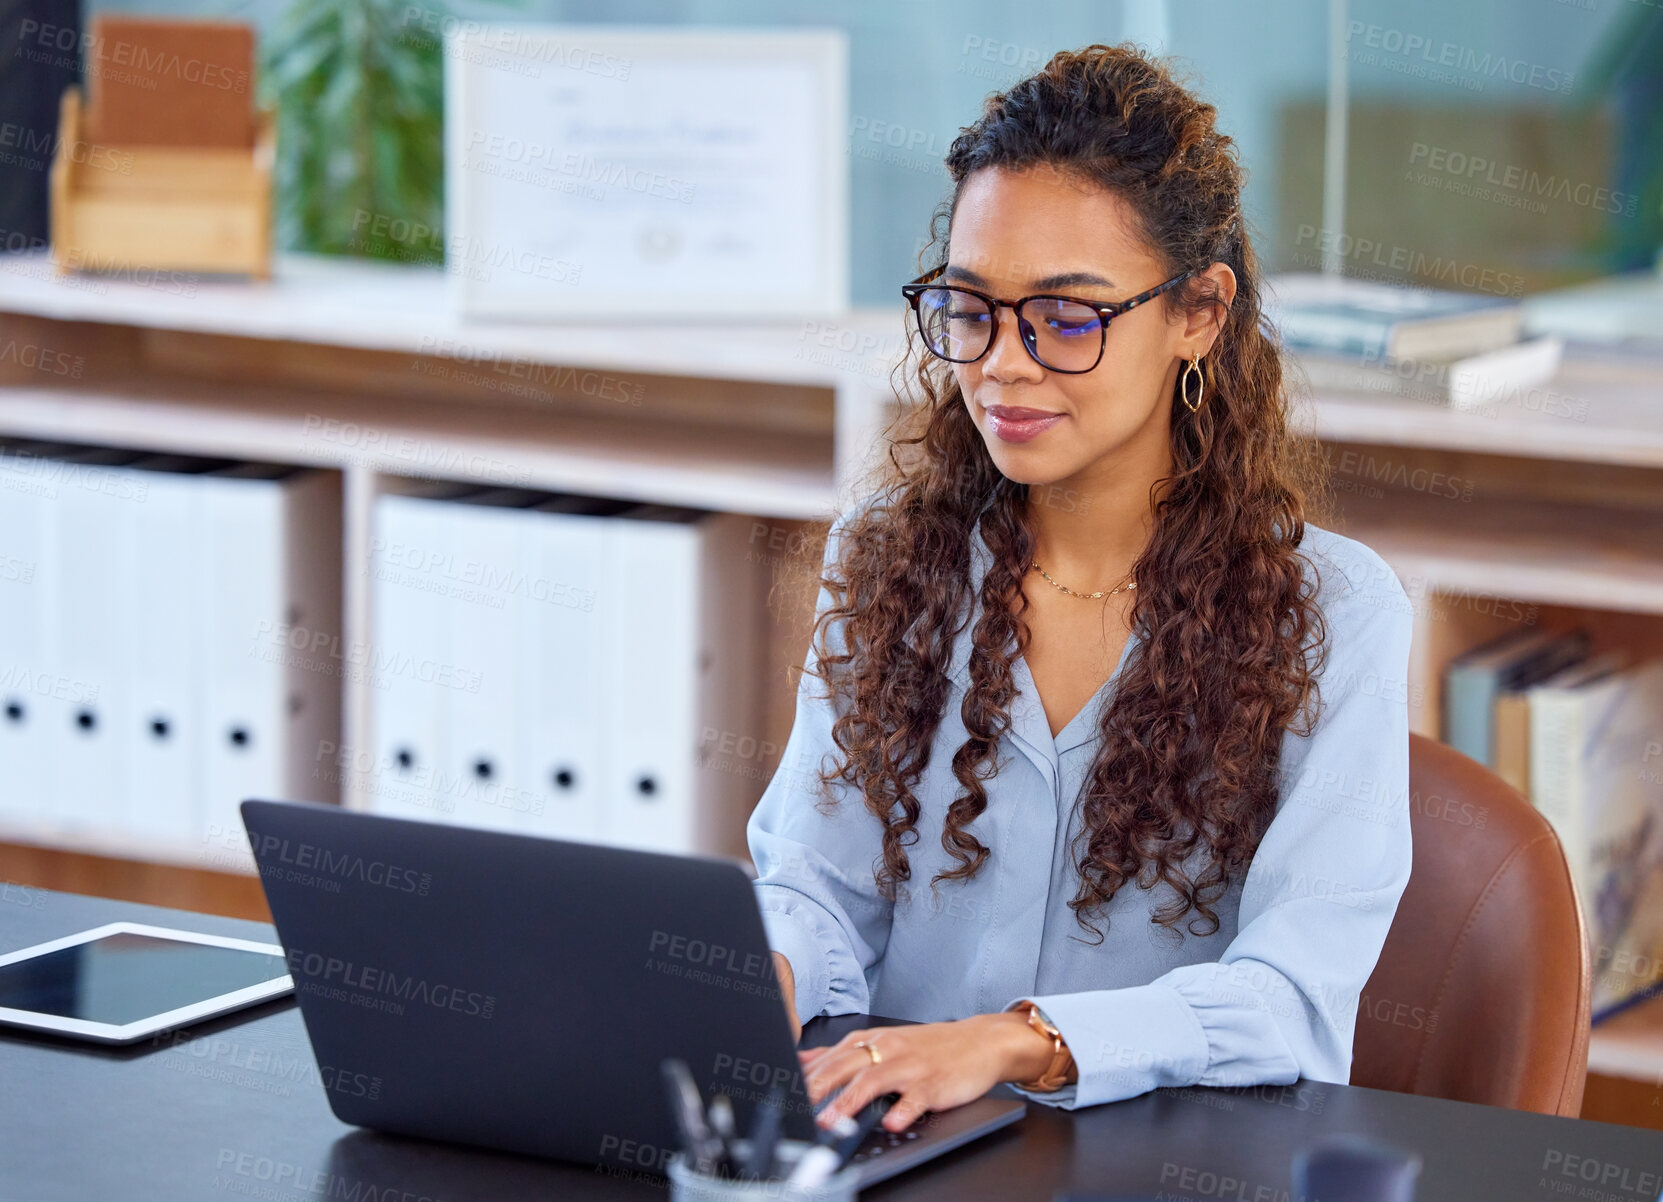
(88, 628)
(649, 685)
(562, 725)
(164, 586)
(565, 666)
(246, 647)
(410, 633)
(681, 679)
(274, 658)
(486, 613)
(25, 565)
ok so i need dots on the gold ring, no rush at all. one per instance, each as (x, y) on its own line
(870, 1051)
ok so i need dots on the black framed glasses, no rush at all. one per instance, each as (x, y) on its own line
(1061, 333)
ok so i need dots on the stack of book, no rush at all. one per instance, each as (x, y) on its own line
(1456, 349)
(1614, 310)
(1581, 734)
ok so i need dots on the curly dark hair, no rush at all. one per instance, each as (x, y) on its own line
(1232, 639)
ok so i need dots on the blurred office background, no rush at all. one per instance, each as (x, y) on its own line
(1564, 89)
(295, 524)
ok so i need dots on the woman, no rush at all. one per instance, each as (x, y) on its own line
(1108, 782)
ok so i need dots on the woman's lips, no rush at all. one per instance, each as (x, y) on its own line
(1013, 423)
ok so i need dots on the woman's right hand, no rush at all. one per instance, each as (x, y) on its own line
(788, 991)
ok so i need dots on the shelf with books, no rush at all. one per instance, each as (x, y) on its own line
(1413, 366)
(1456, 626)
(1565, 703)
(1505, 537)
(1478, 559)
(362, 369)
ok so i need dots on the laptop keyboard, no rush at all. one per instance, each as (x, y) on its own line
(881, 1141)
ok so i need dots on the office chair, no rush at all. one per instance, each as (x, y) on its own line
(1481, 993)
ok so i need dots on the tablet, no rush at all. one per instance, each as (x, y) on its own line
(123, 981)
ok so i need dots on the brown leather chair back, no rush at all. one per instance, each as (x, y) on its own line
(1481, 993)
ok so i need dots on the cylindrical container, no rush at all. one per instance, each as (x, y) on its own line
(1356, 1168)
(688, 1186)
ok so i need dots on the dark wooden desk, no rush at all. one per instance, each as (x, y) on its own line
(235, 1109)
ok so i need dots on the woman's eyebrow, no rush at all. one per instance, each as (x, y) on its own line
(1069, 278)
(1065, 280)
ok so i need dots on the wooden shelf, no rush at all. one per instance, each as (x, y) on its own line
(118, 845)
(206, 890)
(756, 472)
(1604, 406)
(1629, 1045)
(337, 301)
(1625, 1068)
(1546, 554)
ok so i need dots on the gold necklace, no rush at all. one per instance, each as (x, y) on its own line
(1128, 584)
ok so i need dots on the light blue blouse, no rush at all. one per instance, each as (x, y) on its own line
(1272, 996)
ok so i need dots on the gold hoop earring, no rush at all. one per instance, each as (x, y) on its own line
(1194, 365)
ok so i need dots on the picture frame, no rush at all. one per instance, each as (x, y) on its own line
(599, 172)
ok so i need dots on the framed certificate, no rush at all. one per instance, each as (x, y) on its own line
(596, 171)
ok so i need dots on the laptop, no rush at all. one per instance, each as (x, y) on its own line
(520, 993)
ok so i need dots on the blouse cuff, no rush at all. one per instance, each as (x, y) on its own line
(797, 933)
(1245, 1043)
(1125, 1042)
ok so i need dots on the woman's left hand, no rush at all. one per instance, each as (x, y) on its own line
(933, 1066)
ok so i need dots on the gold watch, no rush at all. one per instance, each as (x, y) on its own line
(1055, 1075)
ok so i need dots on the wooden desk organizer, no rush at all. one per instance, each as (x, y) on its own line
(169, 208)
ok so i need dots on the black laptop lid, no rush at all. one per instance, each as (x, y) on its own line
(519, 992)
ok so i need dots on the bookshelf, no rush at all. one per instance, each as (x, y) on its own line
(1551, 508)
(362, 370)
